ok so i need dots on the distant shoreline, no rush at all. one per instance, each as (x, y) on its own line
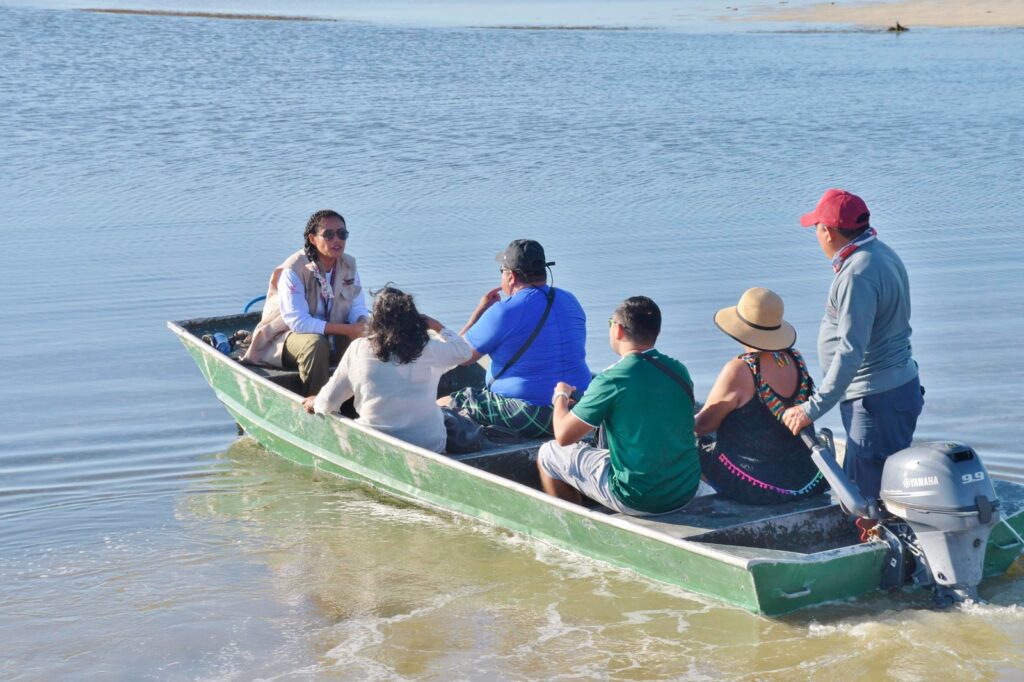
(909, 13)
(202, 15)
(555, 27)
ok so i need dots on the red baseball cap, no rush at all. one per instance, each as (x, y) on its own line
(838, 208)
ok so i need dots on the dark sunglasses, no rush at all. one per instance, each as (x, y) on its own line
(329, 234)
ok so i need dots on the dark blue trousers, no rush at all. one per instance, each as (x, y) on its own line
(877, 426)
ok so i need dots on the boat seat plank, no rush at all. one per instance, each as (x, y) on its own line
(525, 448)
(514, 461)
(760, 553)
(285, 378)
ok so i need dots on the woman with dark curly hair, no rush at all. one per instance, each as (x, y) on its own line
(393, 372)
(314, 305)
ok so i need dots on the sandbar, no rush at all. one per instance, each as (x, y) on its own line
(554, 27)
(909, 13)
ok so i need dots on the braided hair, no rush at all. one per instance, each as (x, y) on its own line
(396, 329)
(312, 225)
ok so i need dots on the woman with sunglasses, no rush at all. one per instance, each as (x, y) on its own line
(314, 308)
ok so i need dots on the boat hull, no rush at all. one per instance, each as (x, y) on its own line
(760, 580)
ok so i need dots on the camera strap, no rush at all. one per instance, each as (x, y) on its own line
(671, 374)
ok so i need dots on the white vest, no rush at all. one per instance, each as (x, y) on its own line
(268, 338)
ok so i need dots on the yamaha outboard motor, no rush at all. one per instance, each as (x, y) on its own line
(945, 495)
(942, 493)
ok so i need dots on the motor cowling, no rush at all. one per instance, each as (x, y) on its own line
(944, 493)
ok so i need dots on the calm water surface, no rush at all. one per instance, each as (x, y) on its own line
(158, 168)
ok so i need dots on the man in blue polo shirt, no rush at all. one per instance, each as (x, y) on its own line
(535, 338)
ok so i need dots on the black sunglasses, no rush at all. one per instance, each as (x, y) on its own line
(329, 234)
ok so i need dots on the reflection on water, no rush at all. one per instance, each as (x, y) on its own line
(157, 167)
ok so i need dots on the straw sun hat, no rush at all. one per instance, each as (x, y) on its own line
(756, 321)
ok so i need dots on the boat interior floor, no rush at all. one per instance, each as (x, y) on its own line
(805, 526)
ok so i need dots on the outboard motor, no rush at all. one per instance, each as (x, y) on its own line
(945, 495)
(942, 493)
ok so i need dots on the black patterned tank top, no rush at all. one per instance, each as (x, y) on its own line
(756, 459)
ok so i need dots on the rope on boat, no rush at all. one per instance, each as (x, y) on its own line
(252, 303)
(1015, 533)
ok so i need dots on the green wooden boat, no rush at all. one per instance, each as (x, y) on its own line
(766, 560)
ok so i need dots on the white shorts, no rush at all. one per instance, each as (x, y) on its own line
(585, 468)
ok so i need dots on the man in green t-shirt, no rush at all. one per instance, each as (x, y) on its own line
(645, 403)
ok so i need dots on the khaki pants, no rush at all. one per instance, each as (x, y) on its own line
(311, 355)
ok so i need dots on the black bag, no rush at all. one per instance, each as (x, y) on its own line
(463, 434)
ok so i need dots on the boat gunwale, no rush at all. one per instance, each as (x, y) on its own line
(701, 548)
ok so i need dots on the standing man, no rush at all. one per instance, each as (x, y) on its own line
(863, 342)
(644, 403)
(535, 337)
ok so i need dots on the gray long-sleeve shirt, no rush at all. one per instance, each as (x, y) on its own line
(864, 338)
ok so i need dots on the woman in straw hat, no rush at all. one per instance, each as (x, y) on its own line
(747, 454)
